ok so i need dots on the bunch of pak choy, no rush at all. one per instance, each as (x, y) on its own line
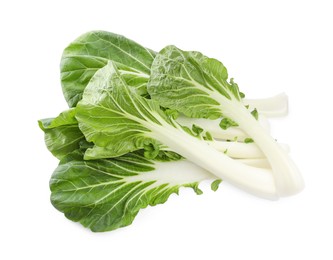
(142, 124)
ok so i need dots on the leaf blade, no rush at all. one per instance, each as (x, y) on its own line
(107, 194)
(114, 119)
(92, 51)
(190, 82)
(62, 134)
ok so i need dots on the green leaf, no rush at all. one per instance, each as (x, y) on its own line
(208, 136)
(226, 123)
(174, 114)
(197, 86)
(151, 151)
(248, 140)
(189, 81)
(255, 114)
(107, 194)
(119, 121)
(62, 134)
(166, 156)
(197, 129)
(215, 184)
(115, 118)
(92, 51)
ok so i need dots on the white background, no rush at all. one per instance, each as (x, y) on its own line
(267, 46)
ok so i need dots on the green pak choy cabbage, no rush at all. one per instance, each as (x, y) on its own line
(143, 124)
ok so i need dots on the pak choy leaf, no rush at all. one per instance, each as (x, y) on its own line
(197, 86)
(115, 118)
(62, 134)
(189, 83)
(118, 121)
(92, 51)
(107, 194)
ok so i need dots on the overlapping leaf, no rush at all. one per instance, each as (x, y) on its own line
(62, 134)
(92, 51)
(116, 120)
(189, 83)
(106, 194)
(120, 146)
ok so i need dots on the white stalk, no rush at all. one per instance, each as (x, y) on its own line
(237, 149)
(212, 126)
(271, 107)
(256, 162)
(257, 181)
(287, 177)
(168, 172)
(263, 121)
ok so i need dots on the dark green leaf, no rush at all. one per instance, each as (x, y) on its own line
(116, 119)
(92, 51)
(62, 134)
(189, 81)
(107, 194)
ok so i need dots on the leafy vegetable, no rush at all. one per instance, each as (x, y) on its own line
(107, 194)
(92, 51)
(141, 125)
(197, 86)
(118, 121)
